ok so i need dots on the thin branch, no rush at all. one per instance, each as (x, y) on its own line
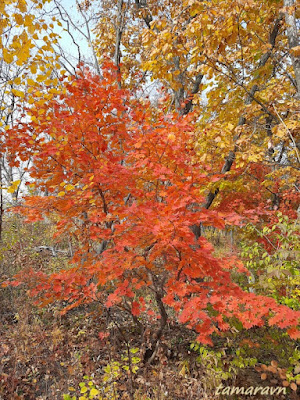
(290, 135)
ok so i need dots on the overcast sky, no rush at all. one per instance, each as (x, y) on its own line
(75, 25)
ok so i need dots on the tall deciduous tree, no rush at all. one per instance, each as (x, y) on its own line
(25, 59)
(120, 179)
(236, 64)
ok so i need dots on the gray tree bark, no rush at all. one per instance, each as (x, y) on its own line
(293, 38)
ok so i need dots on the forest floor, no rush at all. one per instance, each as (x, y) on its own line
(48, 356)
(44, 356)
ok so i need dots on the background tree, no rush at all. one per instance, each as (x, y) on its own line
(238, 53)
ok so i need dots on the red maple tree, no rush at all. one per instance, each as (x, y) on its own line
(122, 178)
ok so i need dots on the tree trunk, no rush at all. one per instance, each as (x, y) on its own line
(293, 39)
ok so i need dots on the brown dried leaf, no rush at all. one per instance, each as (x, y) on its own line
(272, 369)
(263, 376)
(274, 363)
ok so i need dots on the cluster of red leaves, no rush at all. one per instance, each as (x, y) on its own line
(119, 171)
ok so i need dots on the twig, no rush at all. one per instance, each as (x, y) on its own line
(289, 132)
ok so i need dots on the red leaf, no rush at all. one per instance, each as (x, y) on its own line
(135, 309)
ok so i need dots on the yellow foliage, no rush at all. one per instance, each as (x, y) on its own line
(8, 57)
(14, 186)
(18, 93)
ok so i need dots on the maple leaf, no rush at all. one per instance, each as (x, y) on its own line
(135, 309)
(131, 208)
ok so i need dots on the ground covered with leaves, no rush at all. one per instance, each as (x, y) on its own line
(90, 354)
(44, 356)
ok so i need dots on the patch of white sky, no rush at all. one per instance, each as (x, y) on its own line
(76, 45)
(75, 33)
(73, 46)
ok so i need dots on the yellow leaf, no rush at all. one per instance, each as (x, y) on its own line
(18, 93)
(14, 186)
(30, 82)
(18, 19)
(171, 137)
(7, 56)
(40, 78)
(83, 389)
(24, 53)
(94, 392)
(17, 81)
(61, 194)
(33, 68)
(22, 6)
(28, 20)
(69, 187)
